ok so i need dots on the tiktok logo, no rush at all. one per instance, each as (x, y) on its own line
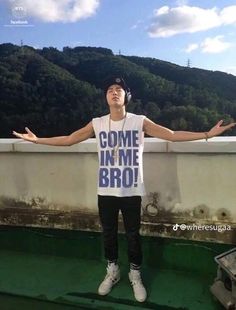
(181, 226)
(175, 227)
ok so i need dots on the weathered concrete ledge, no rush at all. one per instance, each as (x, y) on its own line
(213, 145)
(186, 182)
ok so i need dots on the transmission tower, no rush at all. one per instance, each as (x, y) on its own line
(189, 63)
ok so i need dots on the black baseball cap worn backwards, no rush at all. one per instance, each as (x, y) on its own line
(119, 81)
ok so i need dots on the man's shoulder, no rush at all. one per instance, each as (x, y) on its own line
(136, 116)
(101, 118)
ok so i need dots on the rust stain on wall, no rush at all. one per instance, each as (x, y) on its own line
(37, 213)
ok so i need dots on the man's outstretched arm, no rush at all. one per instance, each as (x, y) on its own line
(157, 131)
(76, 137)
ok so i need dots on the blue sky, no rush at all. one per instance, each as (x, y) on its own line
(175, 31)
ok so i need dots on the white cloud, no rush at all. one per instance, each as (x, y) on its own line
(163, 10)
(210, 45)
(191, 47)
(228, 15)
(189, 19)
(215, 45)
(59, 10)
(230, 70)
(135, 26)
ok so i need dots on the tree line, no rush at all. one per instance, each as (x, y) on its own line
(56, 92)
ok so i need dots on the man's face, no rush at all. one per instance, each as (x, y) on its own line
(115, 95)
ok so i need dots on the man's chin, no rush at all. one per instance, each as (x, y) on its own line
(116, 105)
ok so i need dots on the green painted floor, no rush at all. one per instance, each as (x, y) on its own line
(49, 269)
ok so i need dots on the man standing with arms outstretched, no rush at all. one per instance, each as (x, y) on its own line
(120, 139)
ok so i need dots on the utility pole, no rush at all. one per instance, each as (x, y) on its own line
(189, 63)
(22, 50)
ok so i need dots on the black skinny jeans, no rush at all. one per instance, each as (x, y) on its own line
(109, 207)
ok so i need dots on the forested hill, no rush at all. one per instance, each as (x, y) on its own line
(56, 92)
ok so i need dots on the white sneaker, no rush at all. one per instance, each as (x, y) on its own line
(111, 278)
(140, 293)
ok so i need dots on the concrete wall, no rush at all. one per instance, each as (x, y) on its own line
(191, 183)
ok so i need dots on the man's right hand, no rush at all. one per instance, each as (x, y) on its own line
(76, 137)
(29, 136)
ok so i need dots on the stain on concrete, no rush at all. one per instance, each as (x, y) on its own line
(201, 211)
(157, 222)
(223, 214)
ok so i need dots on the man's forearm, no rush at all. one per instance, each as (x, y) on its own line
(189, 136)
(57, 141)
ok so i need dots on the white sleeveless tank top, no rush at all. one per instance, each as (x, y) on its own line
(120, 168)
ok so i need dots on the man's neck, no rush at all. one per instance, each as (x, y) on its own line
(117, 114)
